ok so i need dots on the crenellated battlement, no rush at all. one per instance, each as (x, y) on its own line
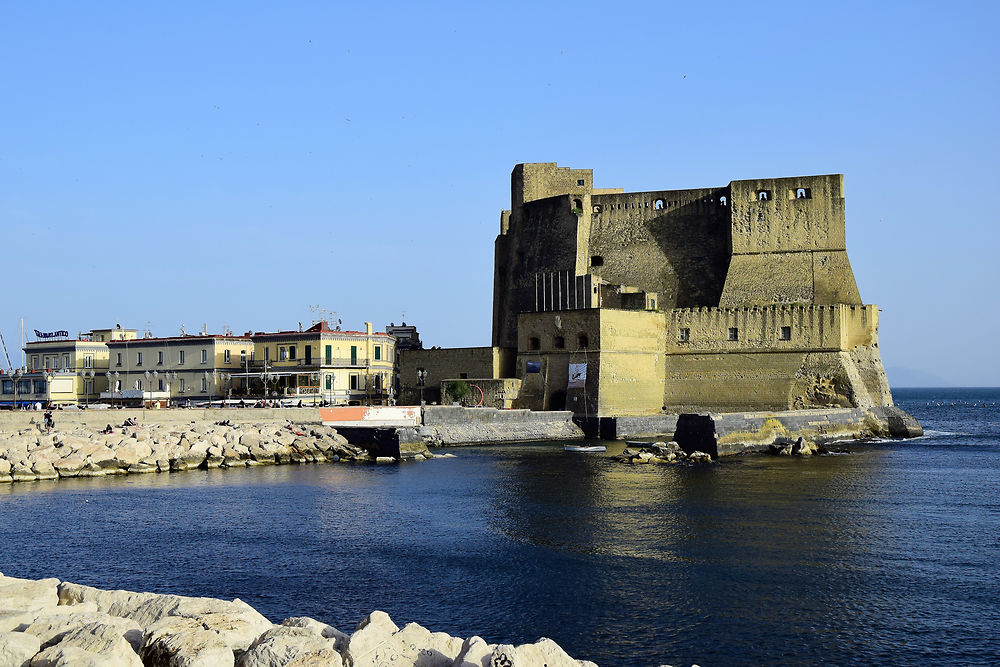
(778, 328)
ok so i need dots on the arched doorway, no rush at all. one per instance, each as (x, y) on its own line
(557, 400)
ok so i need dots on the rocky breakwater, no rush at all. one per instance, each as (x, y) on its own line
(660, 453)
(671, 452)
(48, 623)
(33, 454)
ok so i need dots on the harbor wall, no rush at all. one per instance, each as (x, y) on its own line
(725, 434)
(455, 425)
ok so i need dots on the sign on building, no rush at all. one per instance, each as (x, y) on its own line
(51, 334)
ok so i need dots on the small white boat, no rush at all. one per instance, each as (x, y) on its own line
(586, 449)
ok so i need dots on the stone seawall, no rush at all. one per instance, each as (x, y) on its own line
(454, 425)
(49, 623)
(723, 434)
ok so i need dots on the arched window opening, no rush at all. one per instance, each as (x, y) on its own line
(534, 343)
(583, 341)
(559, 343)
(597, 208)
(763, 195)
(577, 206)
(658, 204)
(803, 193)
(723, 201)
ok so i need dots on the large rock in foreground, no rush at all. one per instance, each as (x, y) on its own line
(51, 624)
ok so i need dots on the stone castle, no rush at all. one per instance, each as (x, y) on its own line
(612, 303)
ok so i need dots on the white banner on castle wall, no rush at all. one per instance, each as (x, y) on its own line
(577, 375)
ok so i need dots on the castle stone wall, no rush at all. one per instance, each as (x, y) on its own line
(632, 363)
(443, 364)
(542, 239)
(809, 328)
(673, 242)
(788, 243)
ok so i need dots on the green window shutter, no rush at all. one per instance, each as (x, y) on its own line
(378, 352)
(329, 357)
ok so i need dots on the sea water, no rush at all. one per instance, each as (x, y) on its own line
(887, 552)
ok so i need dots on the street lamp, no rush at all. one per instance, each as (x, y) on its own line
(88, 377)
(149, 382)
(266, 377)
(170, 376)
(210, 381)
(17, 380)
(421, 377)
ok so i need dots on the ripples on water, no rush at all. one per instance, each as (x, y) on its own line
(887, 555)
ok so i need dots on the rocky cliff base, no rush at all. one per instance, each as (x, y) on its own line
(48, 623)
(33, 454)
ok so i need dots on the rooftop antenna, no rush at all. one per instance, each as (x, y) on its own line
(226, 331)
(321, 314)
(204, 329)
(183, 332)
(147, 333)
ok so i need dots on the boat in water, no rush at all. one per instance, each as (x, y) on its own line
(585, 449)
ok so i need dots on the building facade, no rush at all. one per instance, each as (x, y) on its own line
(177, 369)
(737, 297)
(326, 364)
(62, 371)
(320, 364)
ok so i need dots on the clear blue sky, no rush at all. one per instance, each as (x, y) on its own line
(231, 163)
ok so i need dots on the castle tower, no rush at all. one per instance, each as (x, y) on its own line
(788, 243)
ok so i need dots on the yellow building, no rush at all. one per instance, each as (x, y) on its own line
(113, 365)
(324, 364)
(62, 371)
(178, 369)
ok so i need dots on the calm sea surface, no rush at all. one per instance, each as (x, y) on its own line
(888, 554)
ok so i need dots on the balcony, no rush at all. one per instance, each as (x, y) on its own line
(316, 363)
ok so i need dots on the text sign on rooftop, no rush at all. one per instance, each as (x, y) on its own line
(51, 334)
